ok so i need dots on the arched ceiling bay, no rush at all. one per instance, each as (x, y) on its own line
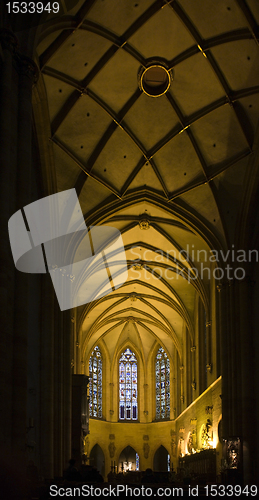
(177, 162)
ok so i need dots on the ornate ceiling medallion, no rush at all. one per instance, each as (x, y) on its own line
(155, 79)
(138, 266)
(144, 224)
(133, 297)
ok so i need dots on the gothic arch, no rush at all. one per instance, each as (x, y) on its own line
(97, 458)
(160, 459)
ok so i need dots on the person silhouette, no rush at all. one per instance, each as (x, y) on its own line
(72, 473)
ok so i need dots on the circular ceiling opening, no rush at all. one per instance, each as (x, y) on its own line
(155, 80)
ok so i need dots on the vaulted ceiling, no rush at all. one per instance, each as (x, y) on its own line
(169, 171)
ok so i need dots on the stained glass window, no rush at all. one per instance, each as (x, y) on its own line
(95, 383)
(128, 405)
(137, 461)
(162, 365)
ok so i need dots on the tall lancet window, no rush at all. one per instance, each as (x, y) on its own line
(95, 383)
(128, 386)
(162, 365)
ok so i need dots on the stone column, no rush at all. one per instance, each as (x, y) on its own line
(193, 354)
(27, 71)
(208, 349)
(8, 125)
(73, 344)
(67, 390)
(224, 354)
(173, 406)
(59, 351)
(234, 365)
(47, 391)
(247, 382)
(111, 401)
(146, 406)
(182, 388)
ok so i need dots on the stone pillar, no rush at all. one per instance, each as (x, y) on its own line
(111, 401)
(224, 354)
(73, 343)
(193, 353)
(55, 390)
(234, 365)
(182, 389)
(67, 390)
(79, 427)
(59, 356)
(27, 71)
(8, 125)
(247, 382)
(173, 393)
(188, 370)
(208, 349)
(201, 348)
(76, 343)
(47, 390)
(145, 388)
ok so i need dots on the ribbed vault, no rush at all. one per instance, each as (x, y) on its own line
(158, 169)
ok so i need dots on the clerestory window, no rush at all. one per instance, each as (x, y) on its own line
(128, 386)
(162, 370)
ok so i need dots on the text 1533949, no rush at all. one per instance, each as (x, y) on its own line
(32, 7)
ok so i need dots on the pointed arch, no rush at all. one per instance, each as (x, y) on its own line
(97, 458)
(128, 459)
(161, 460)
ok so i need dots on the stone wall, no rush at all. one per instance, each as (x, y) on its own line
(147, 438)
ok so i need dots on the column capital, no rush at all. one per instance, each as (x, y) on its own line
(27, 67)
(8, 40)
